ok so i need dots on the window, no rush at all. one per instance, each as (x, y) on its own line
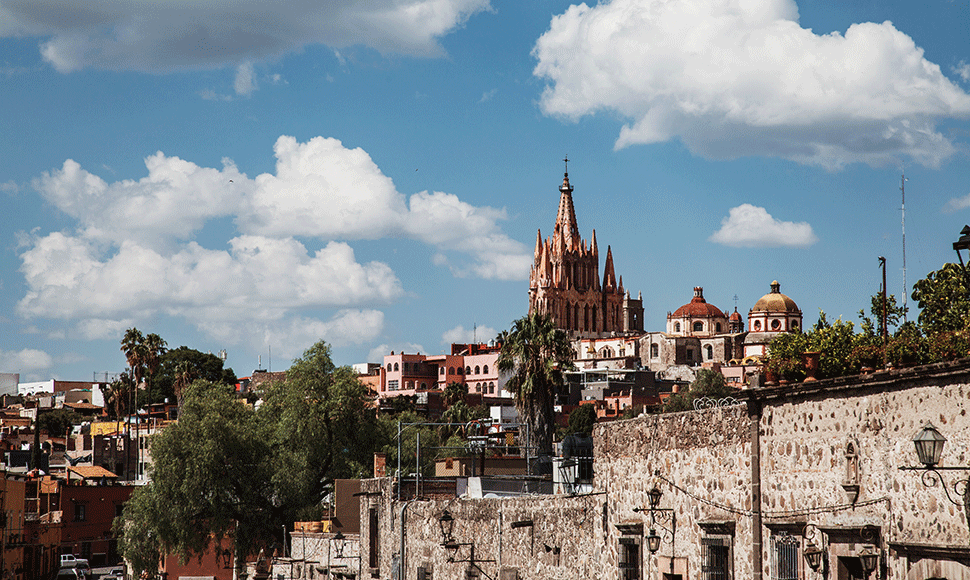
(710, 352)
(478, 370)
(717, 327)
(485, 369)
(396, 368)
(677, 327)
(629, 555)
(491, 388)
(794, 325)
(80, 512)
(388, 367)
(716, 558)
(392, 385)
(784, 557)
(441, 371)
(451, 370)
(654, 350)
(424, 385)
(698, 326)
(775, 324)
(410, 384)
(690, 355)
(374, 537)
(757, 325)
(461, 370)
(468, 370)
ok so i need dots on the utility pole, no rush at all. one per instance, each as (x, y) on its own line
(884, 327)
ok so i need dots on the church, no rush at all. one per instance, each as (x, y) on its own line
(565, 281)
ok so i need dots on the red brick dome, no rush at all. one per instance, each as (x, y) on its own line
(698, 307)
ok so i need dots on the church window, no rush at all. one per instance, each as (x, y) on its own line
(757, 325)
(698, 326)
(676, 327)
(717, 327)
(478, 370)
(654, 350)
(593, 320)
(710, 352)
(586, 318)
(396, 368)
(775, 324)
(794, 325)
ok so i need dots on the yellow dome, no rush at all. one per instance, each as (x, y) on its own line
(775, 301)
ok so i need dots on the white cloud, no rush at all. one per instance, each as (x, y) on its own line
(749, 226)
(957, 203)
(9, 187)
(211, 95)
(103, 329)
(377, 353)
(28, 360)
(461, 335)
(734, 78)
(162, 36)
(487, 95)
(245, 82)
(962, 70)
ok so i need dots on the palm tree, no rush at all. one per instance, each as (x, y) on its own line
(534, 356)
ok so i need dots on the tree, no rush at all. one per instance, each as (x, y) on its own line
(180, 366)
(58, 422)
(582, 419)
(226, 469)
(143, 354)
(943, 300)
(708, 383)
(534, 357)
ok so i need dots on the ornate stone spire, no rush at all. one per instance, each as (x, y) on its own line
(567, 230)
(609, 277)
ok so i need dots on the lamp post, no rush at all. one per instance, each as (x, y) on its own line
(963, 243)
(448, 542)
(929, 449)
(661, 515)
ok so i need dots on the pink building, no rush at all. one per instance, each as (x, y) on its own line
(474, 365)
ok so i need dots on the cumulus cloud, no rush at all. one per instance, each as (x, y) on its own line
(377, 353)
(749, 226)
(166, 36)
(957, 203)
(740, 78)
(962, 70)
(135, 249)
(461, 335)
(28, 361)
(245, 82)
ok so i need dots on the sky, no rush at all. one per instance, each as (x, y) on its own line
(254, 177)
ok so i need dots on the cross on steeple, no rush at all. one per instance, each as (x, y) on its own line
(566, 161)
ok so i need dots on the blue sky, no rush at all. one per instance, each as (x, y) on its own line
(255, 177)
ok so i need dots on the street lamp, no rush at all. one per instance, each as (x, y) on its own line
(659, 514)
(870, 559)
(448, 542)
(929, 448)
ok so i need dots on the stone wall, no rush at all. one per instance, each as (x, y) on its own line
(816, 440)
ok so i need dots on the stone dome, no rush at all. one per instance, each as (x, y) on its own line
(775, 301)
(698, 308)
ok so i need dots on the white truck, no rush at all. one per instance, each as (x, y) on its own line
(69, 561)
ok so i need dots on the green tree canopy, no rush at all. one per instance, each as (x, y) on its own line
(943, 300)
(534, 355)
(708, 383)
(582, 419)
(226, 469)
(58, 422)
(183, 365)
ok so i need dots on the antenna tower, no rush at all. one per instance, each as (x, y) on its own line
(902, 188)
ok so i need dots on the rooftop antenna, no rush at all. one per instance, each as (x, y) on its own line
(902, 188)
(735, 301)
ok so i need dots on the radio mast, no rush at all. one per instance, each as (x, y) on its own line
(902, 188)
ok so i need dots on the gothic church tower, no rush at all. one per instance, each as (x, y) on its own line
(565, 280)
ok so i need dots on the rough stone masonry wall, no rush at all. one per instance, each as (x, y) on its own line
(804, 464)
(705, 454)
